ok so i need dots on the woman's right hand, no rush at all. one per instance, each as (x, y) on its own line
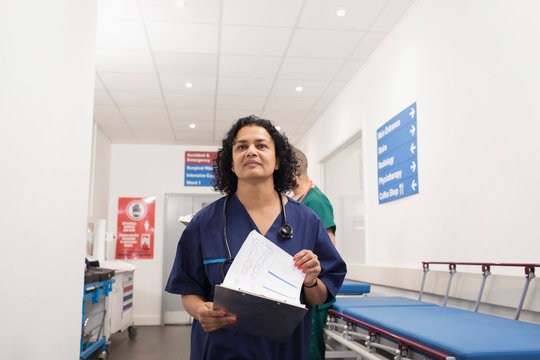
(211, 319)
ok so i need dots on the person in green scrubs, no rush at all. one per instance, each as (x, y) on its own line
(310, 195)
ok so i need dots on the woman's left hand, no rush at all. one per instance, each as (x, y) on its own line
(308, 262)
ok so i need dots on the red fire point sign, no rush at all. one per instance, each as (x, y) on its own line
(135, 230)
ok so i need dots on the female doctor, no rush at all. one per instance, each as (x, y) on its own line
(253, 168)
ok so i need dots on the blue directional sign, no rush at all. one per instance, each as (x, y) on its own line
(397, 156)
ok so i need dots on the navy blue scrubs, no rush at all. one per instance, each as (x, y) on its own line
(197, 270)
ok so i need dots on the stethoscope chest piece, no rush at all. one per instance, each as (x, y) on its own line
(286, 231)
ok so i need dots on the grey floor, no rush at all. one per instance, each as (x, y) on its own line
(152, 342)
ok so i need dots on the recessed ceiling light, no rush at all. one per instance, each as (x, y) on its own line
(299, 89)
(192, 126)
(180, 3)
(189, 85)
(278, 128)
(340, 12)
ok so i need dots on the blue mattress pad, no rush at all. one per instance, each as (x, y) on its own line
(343, 303)
(354, 287)
(460, 333)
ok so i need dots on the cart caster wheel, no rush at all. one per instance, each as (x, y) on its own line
(132, 332)
(103, 355)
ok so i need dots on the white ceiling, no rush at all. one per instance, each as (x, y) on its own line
(242, 57)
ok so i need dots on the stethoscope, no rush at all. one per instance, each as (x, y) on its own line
(285, 231)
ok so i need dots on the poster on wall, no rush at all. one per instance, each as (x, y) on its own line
(199, 168)
(135, 229)
(397, 156)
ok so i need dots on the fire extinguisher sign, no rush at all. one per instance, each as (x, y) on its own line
(135, 230)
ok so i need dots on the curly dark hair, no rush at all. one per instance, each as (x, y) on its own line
(284, 177)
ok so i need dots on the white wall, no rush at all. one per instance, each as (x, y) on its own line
(149, 170)
(46, 100)
(472, 67)
(100, 175)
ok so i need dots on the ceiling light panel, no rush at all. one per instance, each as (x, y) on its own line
(322, 14)
(248, 66)
(121, 34)
(310, 69)
(261, 12)
(179, 37)
(324, 43)
(184, 64)
(194, 11)
(130, 82)
(241, 40)
(118, 60)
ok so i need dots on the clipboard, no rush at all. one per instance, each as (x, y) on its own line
(259, 315)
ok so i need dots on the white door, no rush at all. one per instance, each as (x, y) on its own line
(176, 205)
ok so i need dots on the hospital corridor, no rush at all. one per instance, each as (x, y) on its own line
(270, 179)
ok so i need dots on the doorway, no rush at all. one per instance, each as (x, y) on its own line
(344, 186)
(177, 205)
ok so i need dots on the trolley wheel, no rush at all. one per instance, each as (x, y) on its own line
(103, 355)
(132, 332)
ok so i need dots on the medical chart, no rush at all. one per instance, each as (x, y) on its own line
(262, 268)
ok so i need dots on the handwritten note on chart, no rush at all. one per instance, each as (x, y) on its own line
(261, 267)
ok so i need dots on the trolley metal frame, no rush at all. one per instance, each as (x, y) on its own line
(94, 292)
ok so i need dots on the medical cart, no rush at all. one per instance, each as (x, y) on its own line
(121, 303)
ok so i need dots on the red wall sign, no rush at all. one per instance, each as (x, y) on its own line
(135, 230)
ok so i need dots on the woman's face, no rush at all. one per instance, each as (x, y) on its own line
(254, 154)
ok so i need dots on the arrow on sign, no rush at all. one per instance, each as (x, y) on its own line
(413, 166)
(412, 148)
(413, 185)
(413, 130)
(411, 114)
